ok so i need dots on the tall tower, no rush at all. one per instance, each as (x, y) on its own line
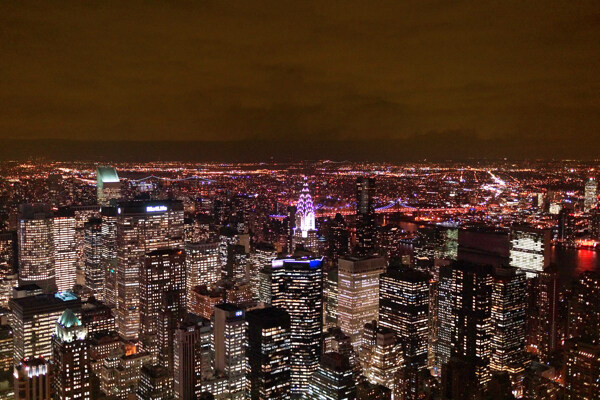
(305, 232)
(297, 287)
(142, 227)
(365, 213)
(202, 264)
(404, 308)
(95, 274)
(36, 246)
(530, 249)
(358, 294)
(70, 349)
(65, 251)
(230, 356)
(268, 354)
(333, 379)
(108, 185)
(591, 193)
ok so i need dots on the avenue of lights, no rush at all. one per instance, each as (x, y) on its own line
(299, 280)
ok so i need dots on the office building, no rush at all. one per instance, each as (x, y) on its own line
(142, 227)
(36, 246)
(268, 354)
(338, 239)
(590, 194)
(203, 265)
(65, 249)
(71, 360)
(332, 380)
(530, 249)
(97, 317)
(358, 294)
(331, 294)
(229, 343)
(155, 383)
(582, 375)
(366, 228)
(109, 254)
(262, 256)
(380, 355)
(404, 308)
(93, 263)
(33, 379)
(584, 308)
(108, 186)
(34, 320)
(547, 303)
(297, 287)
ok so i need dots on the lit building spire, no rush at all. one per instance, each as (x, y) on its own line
(305, 212)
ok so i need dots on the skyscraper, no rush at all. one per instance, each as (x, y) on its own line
(109, 254)
(268, 354)
(65, 249)
(404, 308)
(530, 249)
(305, 231)
(297, 287)
(108, 185)
(261, 257)
(32, 379)
(203, 265)
(94, 269)
(365, 213)
(142, 227)
(191, 356)
(591, 194)
(358, 294)
(34, 319)
(163, 272)
(582, 377)
(70, 350)
(36, 246)
(380, 355)
(509, 302)
(332, 380)
(229, 342)
(547, 292)
(156, 383)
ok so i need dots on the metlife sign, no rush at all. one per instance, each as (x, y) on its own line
(152, 209)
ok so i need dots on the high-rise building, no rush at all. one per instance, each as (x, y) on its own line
(464, 316)
(261, 257)
(142, 227)
(305, 231)
(404, 308)
(547, 302)
(229, 341)
(339, 238)
(264, 284)
(530, 249)
(36, 246)
(93, 264)
(156, 383)
(584, 310)
(32, 379)
(509, 302)
(268, 354)
(70, 353)
(192, 361)
(97, 317)
(109, 254)
(590, 195)
(358, 294)
(582, 375)
(65, 249)
(331, 292)
(203, 265)
(163, 272)
(34, 319)
(380, 355)
(297, 287)
(366, 228)
(333, 379)
(108, 185)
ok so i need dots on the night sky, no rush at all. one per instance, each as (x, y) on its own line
(418, 73)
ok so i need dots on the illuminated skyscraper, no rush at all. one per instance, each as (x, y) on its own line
(547, 301)
(65, 250)
(108, 185)
(95, 274)
(192, 360)
(365, 212)
(404, 308)
(142, 227)
(297, 287)
(584, 310)
(163, 272)
(358, 294)
(32, 378)
(380, 355)
(36, 246)
(109, 254)
(262, 256)
(509, 301)
(229, 342)
(530, 249)
(70, 350)
(305, 232)
(332, 380)
(591, 194)
(33, 322)
(268, 354)
(203, 265)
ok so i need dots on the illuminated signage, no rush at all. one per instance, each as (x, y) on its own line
(156, 208)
